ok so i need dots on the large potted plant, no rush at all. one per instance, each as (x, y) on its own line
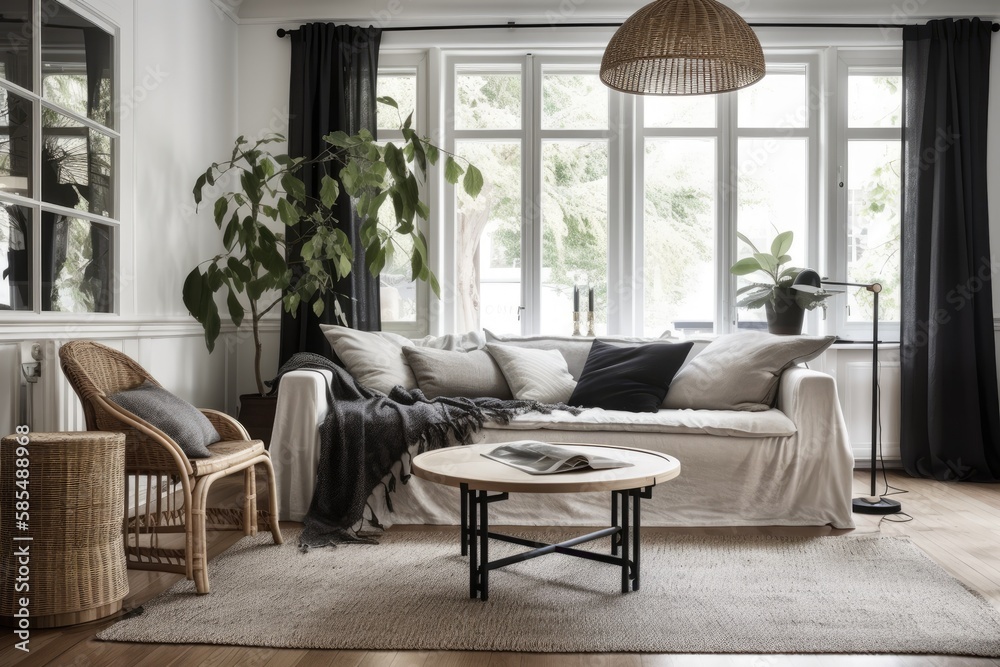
(784, 306)
(259, 189)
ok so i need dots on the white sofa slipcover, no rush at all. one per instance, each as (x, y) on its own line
(788, 466)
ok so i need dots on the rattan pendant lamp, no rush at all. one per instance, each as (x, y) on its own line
(682, 47)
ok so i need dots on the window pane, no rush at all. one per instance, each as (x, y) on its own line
(76, 265)
(778, 100)
(772, 198)
(15, 257)
(488, 240)
(574, 231)
(874, 101)
(679, 235)
(488, 101)
(873, 203)
(696, 111)
(15, 144)
(16, 35)
(398, 293)
(574, 101)
(403, 89)
(76, 165)
(76, 64)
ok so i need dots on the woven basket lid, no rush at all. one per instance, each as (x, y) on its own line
(682, 47)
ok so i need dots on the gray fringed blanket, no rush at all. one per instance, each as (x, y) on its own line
(367, 432)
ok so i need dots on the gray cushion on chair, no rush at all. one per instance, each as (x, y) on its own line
(180, 420)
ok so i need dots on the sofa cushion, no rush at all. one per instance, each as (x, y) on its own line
(180, 420)
(734, 423)
(451, 373)
(574, 349)
(740, 371)
(373, 358)
(633, 378)
(538, 375)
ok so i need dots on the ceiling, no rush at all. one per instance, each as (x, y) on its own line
(414, 12)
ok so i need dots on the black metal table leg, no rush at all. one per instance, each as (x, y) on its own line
(636, 498)
(465, 519)
(625, 545)
(473, 546)
(614, 522)
(484, 541)
(476, 536)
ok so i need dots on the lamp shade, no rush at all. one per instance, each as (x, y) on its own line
(682, 47)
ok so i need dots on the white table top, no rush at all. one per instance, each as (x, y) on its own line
(455, 466)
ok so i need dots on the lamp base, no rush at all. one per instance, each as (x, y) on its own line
(880, 506)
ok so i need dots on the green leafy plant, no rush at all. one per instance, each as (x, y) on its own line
(778, 285)
(263, 188)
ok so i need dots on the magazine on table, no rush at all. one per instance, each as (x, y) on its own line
(542, 458)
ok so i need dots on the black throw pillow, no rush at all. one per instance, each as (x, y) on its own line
(633, 379)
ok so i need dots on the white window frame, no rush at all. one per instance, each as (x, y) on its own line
(874, 61)
(464, 63)
(824, 247)
(414, 63)
(35, 203)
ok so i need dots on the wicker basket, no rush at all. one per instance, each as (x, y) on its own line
(76, 499)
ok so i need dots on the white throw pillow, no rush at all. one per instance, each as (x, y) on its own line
(538, 375)
(740, 371)
(374, 358)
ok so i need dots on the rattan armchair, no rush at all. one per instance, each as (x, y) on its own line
(175, 494)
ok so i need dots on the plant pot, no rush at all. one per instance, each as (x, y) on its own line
(784, 314)
(257, 416)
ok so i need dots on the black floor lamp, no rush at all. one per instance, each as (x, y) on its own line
(809, 281)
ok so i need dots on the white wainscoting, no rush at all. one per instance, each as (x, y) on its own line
(173, 351)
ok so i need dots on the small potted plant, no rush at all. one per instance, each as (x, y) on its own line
(254, 269)
(784, 306)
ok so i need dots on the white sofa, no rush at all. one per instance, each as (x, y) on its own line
(790, 465)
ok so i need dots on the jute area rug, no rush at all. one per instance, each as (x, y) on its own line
(699, 594)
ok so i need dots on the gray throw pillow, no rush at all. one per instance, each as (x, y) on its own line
(740, 371)
(448, 373)
(537, 375)
(180, 420)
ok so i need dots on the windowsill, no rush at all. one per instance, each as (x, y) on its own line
(862, 345)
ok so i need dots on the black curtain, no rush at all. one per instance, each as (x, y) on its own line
(333, 75)
(950, 417)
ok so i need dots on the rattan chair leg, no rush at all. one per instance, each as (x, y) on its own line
(198, 556)
(272, 501)
(189, 526)
(250, 501)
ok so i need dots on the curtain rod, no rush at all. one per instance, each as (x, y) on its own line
(511, 24)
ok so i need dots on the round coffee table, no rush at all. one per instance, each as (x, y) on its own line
(476, 475)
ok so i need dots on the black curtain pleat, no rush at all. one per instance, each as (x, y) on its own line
(333, 74)
(950, 426)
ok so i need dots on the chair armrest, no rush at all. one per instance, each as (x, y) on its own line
(228, 428)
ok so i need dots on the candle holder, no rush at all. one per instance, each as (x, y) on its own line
(590, 324)
(576, 323)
